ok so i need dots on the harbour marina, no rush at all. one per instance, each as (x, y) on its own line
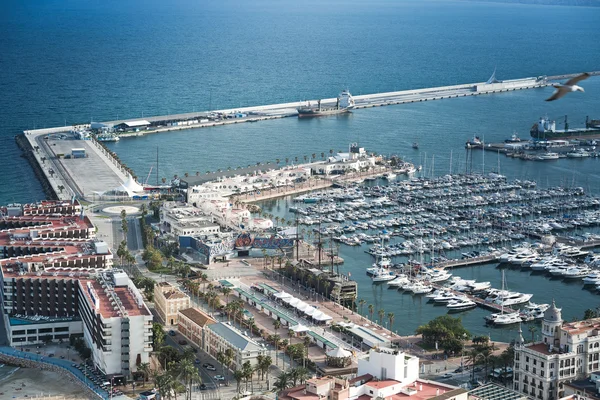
(497, 215)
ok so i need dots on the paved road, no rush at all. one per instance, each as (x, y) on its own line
(134, 234)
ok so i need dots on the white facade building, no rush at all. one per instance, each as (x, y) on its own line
(385, 363)
(568, 351)
(183, 219)
(117, 325)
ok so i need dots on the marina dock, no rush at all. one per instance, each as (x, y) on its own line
(466, 262)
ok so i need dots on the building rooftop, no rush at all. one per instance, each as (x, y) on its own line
(423, 390)
(198, 317)
(174, 294)
(107, 297)
(543, 348)
(382, 384)
(587, 386)
(234, 337)
(495, 392)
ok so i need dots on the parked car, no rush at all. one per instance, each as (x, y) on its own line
(203, 387)
(459, 370)
(447, 375)
(219, 378)
(197, 361)
(172, 333)
(183, 342)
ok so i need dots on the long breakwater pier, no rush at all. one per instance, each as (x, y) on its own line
(182, 121)
(50, 150)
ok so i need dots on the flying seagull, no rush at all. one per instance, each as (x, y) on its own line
(569, 86)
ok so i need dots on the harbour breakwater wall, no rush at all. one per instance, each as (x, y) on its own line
(274, 111)
(27, 153)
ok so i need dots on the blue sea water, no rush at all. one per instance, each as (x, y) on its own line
(68, 61)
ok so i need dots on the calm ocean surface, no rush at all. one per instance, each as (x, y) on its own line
(71, 61)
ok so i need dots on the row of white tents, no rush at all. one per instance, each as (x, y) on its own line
(303, 307)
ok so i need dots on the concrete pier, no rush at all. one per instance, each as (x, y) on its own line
(67, 179)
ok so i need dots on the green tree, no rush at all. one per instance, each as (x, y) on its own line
(381, 314)
(390, 317)
(371, 309)
(448, 332)
(144, 368)
(282, 382)
(186, 370)
(158, 336)
(361, 304)
(238, 375)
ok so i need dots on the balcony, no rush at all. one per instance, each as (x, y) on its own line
(124, 342)
(125, 357)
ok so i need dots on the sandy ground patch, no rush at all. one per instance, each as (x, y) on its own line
(27, 382)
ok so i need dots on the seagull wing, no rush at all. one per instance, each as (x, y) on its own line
(577, 79)
(560, 92)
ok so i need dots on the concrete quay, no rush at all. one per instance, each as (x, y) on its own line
(83, 177)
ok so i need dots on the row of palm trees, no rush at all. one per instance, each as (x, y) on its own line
(246, 373)
(381, 313)
(179, 376)
(291, 378)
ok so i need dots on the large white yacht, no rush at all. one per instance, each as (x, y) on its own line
(460, 304)
(383, 275)
(507, 298)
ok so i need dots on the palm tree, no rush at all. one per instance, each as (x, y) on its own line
(306, 342)
(221, 359)
(248, 371)
(361, 304)
(371, 309)
(276, 338)
(390, 317)
(381, 314)
(238, 376)
(282, 382)
(226, 291)
(265, 366)
(144, 368)
(187, 371)
(229, 356)
(532, 329)
(276, 325)
(302, 374)
(166, 384)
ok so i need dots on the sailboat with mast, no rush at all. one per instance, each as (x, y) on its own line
(503, 318)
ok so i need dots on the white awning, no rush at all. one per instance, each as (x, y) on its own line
(301, 306)
(310, 310)
(294, 302)
(299, 328)
(282, 295)
(320, 316)
(338, 353)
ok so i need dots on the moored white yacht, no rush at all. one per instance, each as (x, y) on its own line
(383, 275)
(460, 304)
(398, 281)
